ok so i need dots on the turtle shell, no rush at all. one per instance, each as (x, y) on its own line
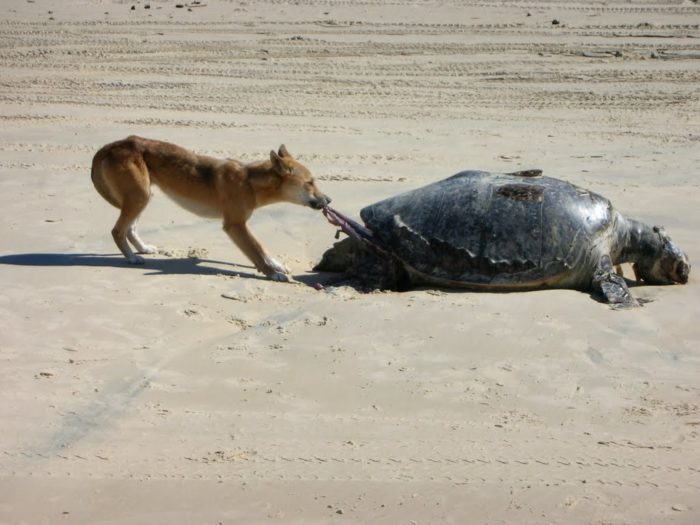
(495, 230)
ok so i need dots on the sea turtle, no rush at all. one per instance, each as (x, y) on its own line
(503, 232)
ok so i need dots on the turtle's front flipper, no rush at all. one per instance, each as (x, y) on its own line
(612, 286)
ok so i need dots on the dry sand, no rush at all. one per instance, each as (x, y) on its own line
(190, 390)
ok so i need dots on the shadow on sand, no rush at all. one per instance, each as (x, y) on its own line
(153, 266)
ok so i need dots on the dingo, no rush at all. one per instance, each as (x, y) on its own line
(123, 172)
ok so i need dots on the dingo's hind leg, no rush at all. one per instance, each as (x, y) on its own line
(123, 230)
(134, 190)
(141, 247)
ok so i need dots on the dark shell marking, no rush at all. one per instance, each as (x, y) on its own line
(522, 192)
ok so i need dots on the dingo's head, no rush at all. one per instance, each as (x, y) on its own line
(298, 185)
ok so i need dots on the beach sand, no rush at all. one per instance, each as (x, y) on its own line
(192, 390)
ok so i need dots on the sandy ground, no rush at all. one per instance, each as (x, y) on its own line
(191, 390)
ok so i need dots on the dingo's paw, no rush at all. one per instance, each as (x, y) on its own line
(277, 266)
(136, 259)
(279, 277)
(148, 248)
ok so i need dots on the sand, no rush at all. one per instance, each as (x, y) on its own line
(191, 390)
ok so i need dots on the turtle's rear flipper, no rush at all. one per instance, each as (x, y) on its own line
(612, 286)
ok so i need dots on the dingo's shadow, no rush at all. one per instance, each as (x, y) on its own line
(153, 265)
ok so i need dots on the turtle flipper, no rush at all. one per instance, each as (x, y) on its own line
(612, 286)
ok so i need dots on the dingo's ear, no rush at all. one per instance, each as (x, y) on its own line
(283, 151)
(277, 162)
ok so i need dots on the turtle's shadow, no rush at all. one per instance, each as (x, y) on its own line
(332, 279)
(152, 266)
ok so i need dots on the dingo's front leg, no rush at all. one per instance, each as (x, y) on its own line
(243, 238)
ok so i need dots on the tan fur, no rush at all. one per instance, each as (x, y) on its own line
(123, 172)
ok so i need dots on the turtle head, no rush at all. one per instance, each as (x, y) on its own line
(667, 265)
